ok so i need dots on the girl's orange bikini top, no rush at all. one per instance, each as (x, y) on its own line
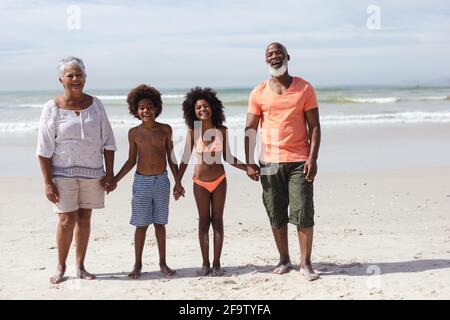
(215, 146)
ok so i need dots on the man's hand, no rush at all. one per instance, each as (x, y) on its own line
(253, 171)
(310, 169)
(51, 192)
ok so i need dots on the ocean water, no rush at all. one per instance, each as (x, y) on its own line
(347, 106)
(362, 128)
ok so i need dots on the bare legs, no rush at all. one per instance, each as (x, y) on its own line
(82, 233)
(139, 241)
(204, 213)
(64, 235)
(217, 206)
(281, 240)
(210, 209)
(80, 221)
(160, 233)
(305, 238)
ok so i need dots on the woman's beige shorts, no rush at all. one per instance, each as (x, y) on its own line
(79, 193)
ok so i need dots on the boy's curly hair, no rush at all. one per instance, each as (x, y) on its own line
(209, 95)
(144, 91)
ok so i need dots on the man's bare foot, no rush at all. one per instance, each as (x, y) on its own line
(136, 272)
(204, 271)
(83, 274)
(282, 267)
(308, 272)
(166, 270)
(58, 276)
(217, 272)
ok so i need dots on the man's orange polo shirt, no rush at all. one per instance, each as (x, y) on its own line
(284, 134)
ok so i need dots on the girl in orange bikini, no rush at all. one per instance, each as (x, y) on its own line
(203, 114)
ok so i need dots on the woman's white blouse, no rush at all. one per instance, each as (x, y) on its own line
(75, 143)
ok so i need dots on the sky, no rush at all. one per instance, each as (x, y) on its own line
(221, 43)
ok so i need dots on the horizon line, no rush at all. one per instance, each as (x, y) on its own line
(316, 87)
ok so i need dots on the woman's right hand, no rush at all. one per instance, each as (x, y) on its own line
(51, 192)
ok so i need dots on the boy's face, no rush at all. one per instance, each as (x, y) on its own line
(203, 110)
(146, 110)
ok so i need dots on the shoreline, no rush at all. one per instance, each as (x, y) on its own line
(343, 149)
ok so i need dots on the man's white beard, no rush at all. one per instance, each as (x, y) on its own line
(280, 71)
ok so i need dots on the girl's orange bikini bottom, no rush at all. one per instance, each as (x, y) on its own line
(209, 185)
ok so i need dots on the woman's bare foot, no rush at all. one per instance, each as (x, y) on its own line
(282, 267)
(59, 275)
(204, 271)
(308, 272)
(166, 270)
(83, 274)
(136, 272)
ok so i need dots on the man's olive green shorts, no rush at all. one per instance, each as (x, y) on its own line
(284, 185)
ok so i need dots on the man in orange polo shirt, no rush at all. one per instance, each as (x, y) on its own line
(286, 109)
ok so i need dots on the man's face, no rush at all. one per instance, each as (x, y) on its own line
(277, 59)
(276, 55)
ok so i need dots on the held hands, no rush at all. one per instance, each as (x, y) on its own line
(310, 169)
(178, 191)
(253, 171)
(108, 183)
(51, 192)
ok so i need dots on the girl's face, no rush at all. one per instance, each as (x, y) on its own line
(146, 110)
(73, 78)
(203, 110)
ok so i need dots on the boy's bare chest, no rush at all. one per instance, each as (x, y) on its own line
(151, 140)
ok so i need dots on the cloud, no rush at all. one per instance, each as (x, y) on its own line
(222, 42)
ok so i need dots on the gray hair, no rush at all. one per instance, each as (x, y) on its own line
(68, 61)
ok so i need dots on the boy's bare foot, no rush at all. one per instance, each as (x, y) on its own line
(83, 274)
(167, 271)
(282, 267)
(204, 271)
(136, 273)
(308, 272)
(58, 276)
(217, 272)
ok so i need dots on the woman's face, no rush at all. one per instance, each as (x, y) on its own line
(73, 78)
(203, 110)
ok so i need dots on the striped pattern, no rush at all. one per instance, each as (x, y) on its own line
(78, 171)
(150, 203)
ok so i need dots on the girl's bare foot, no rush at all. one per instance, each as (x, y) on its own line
(136, 272)
(166, 270)
(59, 275)
(217, 272)
(204, 271)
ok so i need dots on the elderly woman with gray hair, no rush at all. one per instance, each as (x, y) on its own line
(73, 139)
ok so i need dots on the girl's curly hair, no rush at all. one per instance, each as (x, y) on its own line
(144, 91)
(209, 95)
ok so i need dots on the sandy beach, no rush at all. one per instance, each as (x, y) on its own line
(381, 233)
(378, 73)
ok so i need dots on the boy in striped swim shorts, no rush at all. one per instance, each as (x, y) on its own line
(151, 147)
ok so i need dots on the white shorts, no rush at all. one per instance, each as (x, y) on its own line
(79, 193)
